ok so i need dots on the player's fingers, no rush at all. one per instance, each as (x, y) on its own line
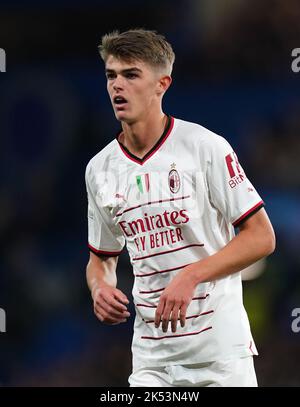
(166, 315)
(108, 310)
(98, 315)
(121, 296)
(108, 319)
(174, 318)
(183, 310)
(159, 311)
(116, 304)
(108, 298)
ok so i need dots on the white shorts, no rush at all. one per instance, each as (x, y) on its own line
(224, 373)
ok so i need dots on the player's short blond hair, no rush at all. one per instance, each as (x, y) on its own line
(139, 45)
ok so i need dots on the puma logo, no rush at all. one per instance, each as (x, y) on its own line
(121, 197)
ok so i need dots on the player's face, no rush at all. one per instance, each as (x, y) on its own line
(133, 88)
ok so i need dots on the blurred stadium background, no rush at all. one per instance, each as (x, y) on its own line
(232, 74)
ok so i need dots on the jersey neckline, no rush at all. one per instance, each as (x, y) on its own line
(157, 145)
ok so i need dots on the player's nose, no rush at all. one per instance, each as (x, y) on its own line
(118, 83)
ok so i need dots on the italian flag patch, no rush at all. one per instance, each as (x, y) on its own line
(142, 182)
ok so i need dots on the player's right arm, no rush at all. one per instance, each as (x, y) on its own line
(108, 301)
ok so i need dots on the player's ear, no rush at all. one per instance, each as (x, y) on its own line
(163, 84)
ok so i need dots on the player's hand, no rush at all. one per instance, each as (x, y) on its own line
(174, 301)
(109, 305)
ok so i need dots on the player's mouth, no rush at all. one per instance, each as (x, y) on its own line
(120, 102)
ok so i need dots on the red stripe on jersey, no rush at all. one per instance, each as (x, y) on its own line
(153, 291)
(151, 203)
(104, 252)
(161, 271)
(200, 298)
(189, 317)
(155, 306)
(176, 336)
(199, 315)
(162, 289)
(236, 222)
(168, 251)
(146, 305)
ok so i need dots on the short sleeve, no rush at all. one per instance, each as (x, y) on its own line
(230, 190)
(104, 236)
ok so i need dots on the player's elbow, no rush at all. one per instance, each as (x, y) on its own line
(262, 233)
(268, 242)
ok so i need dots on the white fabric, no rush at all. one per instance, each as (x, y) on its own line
(165, 230)
(224, 373)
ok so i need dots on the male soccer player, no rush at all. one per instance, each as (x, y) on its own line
(173, 191)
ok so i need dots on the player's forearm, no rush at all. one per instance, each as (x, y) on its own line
(243, 250)
(100, 273)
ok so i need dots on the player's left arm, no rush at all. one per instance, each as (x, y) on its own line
(255, 240)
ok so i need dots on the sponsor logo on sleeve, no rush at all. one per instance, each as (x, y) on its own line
(237, 175)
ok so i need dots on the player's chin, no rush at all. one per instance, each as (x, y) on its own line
(123, 116)
(120, 115)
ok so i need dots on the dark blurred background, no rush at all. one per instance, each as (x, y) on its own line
(232, 74)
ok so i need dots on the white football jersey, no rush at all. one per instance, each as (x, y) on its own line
(176, 206)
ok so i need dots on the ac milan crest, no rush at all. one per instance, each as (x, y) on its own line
(174, 179)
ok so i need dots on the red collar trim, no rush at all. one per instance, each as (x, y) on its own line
(158, 144)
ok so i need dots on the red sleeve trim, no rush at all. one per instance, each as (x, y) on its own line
(250, 212)
(103, 252)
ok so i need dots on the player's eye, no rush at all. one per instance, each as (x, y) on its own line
(131, 75)
(110, 75)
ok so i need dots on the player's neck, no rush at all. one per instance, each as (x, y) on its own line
(140, 136)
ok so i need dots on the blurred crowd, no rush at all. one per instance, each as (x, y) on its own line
(232, 74)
